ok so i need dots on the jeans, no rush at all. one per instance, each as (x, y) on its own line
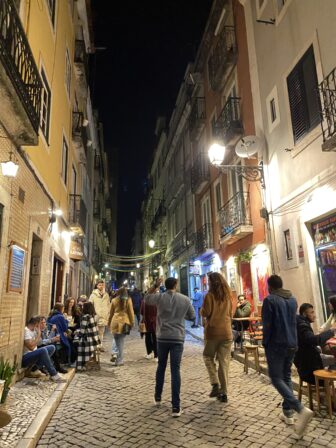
(196, 308)
(279, 369)
(120, 341)
(151, 344)
(114, 349)
(221, 350)
(175, 350)
(101, 332)
(137, 314)
(41, 358)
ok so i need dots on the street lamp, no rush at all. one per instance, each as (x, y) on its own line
(252, 173)
(151, 244)
(138, 265)
(9, 168)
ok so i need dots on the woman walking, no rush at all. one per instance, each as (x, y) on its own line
(88, 340)
(121, 321)
(217, 314)
(148, 313)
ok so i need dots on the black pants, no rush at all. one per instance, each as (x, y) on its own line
(151, 345)
(137, 314)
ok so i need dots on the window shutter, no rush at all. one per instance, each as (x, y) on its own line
(297, 102)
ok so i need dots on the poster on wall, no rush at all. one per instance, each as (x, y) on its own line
(245, 272)
(262, 277)
(16, 269)
(324, 232)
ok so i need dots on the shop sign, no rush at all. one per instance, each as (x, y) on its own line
(195, 269)
(76, 251)
(16, 269)
(324, 232)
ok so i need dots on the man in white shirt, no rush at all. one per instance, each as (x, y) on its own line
(40, 357)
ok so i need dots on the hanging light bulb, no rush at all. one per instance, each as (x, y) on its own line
(9, 168)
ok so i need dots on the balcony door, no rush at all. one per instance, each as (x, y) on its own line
(236, 183)
(206, 220)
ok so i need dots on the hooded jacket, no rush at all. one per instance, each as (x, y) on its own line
(279, 320)
(102, 306)
(308, 358)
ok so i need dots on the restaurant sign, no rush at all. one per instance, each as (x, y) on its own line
(324, 231)
(76, 251)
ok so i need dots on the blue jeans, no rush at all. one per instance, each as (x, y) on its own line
(175, 350)
(114, 349)
(120, 341)
(196, 308)
(40, 358)
(279, 369)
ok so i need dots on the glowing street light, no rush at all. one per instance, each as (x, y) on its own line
(151, 244)
(9, 168)
(138, 265)
(216, 154)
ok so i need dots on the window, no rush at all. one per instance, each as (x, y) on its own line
(67, 72)
(280, 4)
(45, 106)
(52, 10)
(288, 245)
(65, 152)
(74, 181)
(218, 194)
(304, 101)
(1, 218)
(273, 110)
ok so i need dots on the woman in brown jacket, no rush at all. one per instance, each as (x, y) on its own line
(217, 316)
(120, 321)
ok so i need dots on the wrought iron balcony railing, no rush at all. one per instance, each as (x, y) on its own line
(228, 124)
(81, 58)
(328, 93)
(235, 213)
(222, 57)
(158, 216)
(200, 172)
(96, 209)
(77, 122)
(197, 117)
(18, 61)
(203, 239)
(77, 213)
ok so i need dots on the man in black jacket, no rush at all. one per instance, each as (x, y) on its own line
(308, 357)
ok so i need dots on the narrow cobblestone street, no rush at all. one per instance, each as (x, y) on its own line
(114, 407)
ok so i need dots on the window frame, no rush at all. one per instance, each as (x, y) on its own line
(45, 120)
(52, 11)
(68, 72)
(65, 166)
(2, 208)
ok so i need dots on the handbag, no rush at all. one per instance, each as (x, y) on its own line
(142, 327)
(126, 329)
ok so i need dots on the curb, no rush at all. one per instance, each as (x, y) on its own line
(40, 422)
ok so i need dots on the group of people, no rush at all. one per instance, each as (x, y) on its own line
(287, 336)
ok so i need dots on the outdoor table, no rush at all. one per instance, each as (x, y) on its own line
(242, 320)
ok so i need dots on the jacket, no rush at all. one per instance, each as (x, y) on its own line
(243, 311)
(198, 299)
(88, 340)
(218, 318)
(172, 310)
(149, 313)
(120, 315)
(308, 358)
(279, 320)
(102, 306)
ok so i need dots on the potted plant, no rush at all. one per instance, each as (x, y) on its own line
(7, 372)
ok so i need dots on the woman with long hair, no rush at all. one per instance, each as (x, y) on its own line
(217, 315)
(120, 321)
(88, 340)
(72, 313)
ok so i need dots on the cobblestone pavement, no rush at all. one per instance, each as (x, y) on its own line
(114, 408)
(25, 400)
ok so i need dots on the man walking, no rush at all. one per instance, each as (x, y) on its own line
(197, 304)
(101, 302)
(172, 310)
(280, 342)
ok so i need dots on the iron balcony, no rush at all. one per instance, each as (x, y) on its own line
(77, 214)
(235, 218)
(222, 58)
(228, 127)
(197, 118)
(200, 173)
(81, 61)
(20, 82)
(328, 93)
(203, 239)
(79, 134)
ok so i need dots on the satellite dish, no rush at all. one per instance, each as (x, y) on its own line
(248, 146)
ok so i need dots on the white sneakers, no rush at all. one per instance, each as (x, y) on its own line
(287, 420)
(304, 417)
(150, 356)
(58, 379)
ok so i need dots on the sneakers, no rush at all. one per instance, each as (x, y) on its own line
(150, 356)
(61, 370)
(214, 391)
(113, 358)
(176, 412)
(101, 349)
(304, 418)
(287, 420)
(58, 379)
(157, 401)
(222, 398)
(35, 374)
(119, 364)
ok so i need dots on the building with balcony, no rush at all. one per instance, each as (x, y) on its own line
(294, 108)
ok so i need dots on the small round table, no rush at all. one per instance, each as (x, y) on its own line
(328, 377)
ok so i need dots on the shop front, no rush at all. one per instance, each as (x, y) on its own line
(199, 269)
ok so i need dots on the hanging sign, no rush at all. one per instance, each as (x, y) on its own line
(76, 251)
(16, 269)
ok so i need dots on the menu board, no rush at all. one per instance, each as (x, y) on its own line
(324, 231)
(16, 269)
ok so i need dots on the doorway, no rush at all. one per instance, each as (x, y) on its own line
(57, 281)
(33, 299)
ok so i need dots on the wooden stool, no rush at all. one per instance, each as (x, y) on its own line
(310, 393)
(328, 378)
(254, 350)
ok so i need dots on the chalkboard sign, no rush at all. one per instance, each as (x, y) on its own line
(16, 269)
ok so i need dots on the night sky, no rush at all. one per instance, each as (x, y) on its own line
(148, 46)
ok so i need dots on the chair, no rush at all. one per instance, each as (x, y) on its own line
(256, 332)
(328, 377)
(251, 349)
(310, 388)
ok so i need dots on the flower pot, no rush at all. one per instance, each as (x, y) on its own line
(4, 394)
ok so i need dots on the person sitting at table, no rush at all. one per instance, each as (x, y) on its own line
(308, 356)
(57, 318)
(72, 313)
(243, 310)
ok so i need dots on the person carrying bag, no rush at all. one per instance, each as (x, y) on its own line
(121, 320)
(148, 327)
